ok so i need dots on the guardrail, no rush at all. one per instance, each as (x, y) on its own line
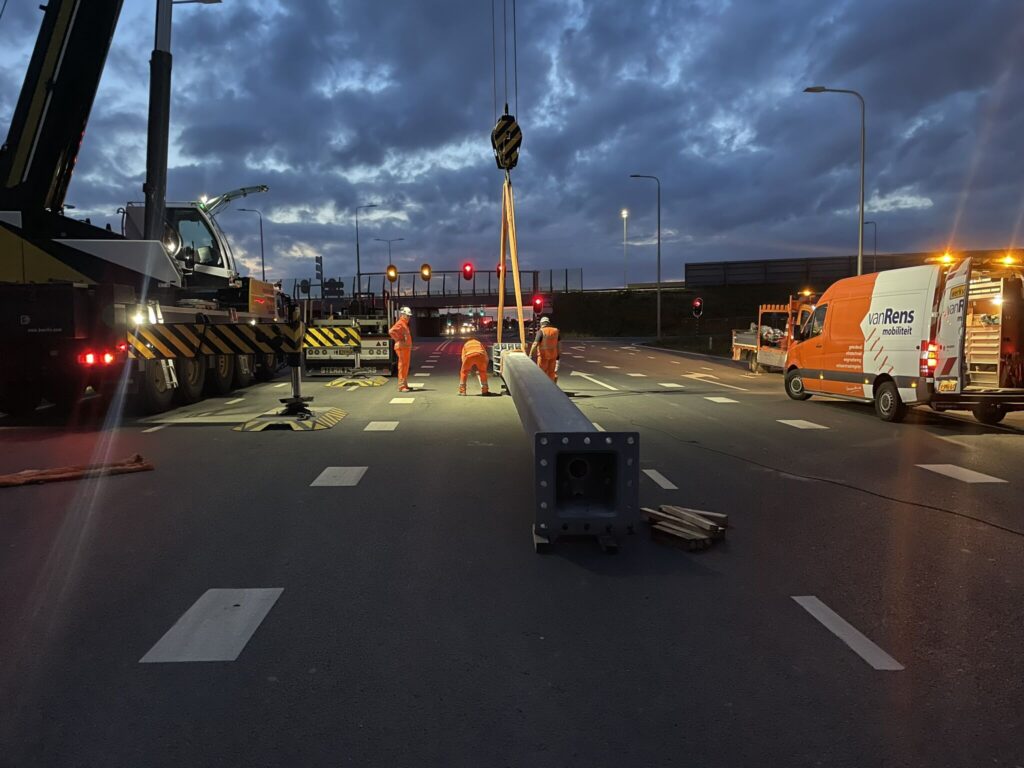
(586, 482)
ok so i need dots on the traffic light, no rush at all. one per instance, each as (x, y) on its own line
(497, 270)
(392, 273)
(425, 271)
(319, 268)
(538, 304)
(467, 271)
(698, 307)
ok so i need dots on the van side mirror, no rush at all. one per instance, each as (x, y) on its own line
(189, 257)
(798, 334)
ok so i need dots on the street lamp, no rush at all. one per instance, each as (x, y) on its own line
(359, 268)
(863, 125)
(658, 182)
(263, 263)
(625, 219)
(159, 119)
(874, 254)
(389, 242)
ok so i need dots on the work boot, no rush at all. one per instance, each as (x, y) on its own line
(462, 391)
(405, 388)
(485, 391)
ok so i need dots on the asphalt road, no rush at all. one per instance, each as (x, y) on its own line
(414, 625)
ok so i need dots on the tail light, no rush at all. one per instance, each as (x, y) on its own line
(90, 358)
(929, 358)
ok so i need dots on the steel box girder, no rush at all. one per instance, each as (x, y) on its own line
(586, 482)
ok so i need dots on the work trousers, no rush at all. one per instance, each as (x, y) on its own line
(478, 361)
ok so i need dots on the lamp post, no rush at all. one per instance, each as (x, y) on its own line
(658, 182)
(263, 263)
(159, 119)
(863, 131)
(359, 267)
(389, 242)
(874, 251)
(625, 219)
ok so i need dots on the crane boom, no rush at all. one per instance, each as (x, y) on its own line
(38, 158)
(212, 204)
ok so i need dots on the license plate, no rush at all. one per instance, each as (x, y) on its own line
(949, 385)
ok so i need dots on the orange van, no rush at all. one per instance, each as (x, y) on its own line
(947, 335)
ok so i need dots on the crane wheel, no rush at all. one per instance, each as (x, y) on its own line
(191, 378)
(243, 378)
(220, 376)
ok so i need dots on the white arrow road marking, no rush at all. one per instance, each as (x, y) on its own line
(591, 379)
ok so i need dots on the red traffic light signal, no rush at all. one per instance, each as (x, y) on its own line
(538, 303)
(467, 271)
(698, 306)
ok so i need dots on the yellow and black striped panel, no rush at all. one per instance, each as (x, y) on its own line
(331, 336)
(166, 341)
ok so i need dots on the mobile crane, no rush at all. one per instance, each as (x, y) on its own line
(82, 306)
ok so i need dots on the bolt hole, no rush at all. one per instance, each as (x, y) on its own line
(578, 469)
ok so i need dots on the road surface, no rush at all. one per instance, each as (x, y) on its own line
(368, 595)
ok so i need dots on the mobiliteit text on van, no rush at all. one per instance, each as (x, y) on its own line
(949, 335)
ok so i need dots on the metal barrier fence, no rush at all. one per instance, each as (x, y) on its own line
(442, 283)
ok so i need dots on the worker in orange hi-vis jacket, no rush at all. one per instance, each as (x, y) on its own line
(474, 355)
(546, 344)
(402, 336)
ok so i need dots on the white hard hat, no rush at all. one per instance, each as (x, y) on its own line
(405, 311)
(545, 321)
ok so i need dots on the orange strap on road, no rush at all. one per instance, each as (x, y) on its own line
(58, 474)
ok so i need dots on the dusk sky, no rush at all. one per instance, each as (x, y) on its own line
(334, 104)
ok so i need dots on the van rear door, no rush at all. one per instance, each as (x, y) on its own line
(949, 331)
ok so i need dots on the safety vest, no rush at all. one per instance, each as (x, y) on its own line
(401, 334)
(549, 342)
(472, 347)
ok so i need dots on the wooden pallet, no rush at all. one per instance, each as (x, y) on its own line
(690, 529)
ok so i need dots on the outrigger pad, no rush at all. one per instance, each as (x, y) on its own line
(316, 419)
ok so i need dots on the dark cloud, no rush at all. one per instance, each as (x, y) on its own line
(334, 104)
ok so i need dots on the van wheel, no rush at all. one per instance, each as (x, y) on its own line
(191, 378)
(988, 414)
(795, 385)
(755, 367)
(888, 404)
(220, 376)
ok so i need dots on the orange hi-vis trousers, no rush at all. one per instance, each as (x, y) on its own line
(478, 361)
(547, 364)
(403, 365)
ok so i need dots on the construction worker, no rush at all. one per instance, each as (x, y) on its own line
(474, 355)
(402, 336)
(546, 344)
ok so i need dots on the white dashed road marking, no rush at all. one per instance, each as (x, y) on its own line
(721, 400)
(661, 480)
(706, 368)
(670, 385)
(421, 374)
(849, 634)
(154, 429)
(612, 367)
(962, 474)
(703, 378)
(637, 375)
(236, 400)
(593, 361)
(278, 386)
(675, 362)
(402, 400)
(216, 628)
(416, 385)
(592, 380)
(381, 426)
(339, 476)
(801, 424)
